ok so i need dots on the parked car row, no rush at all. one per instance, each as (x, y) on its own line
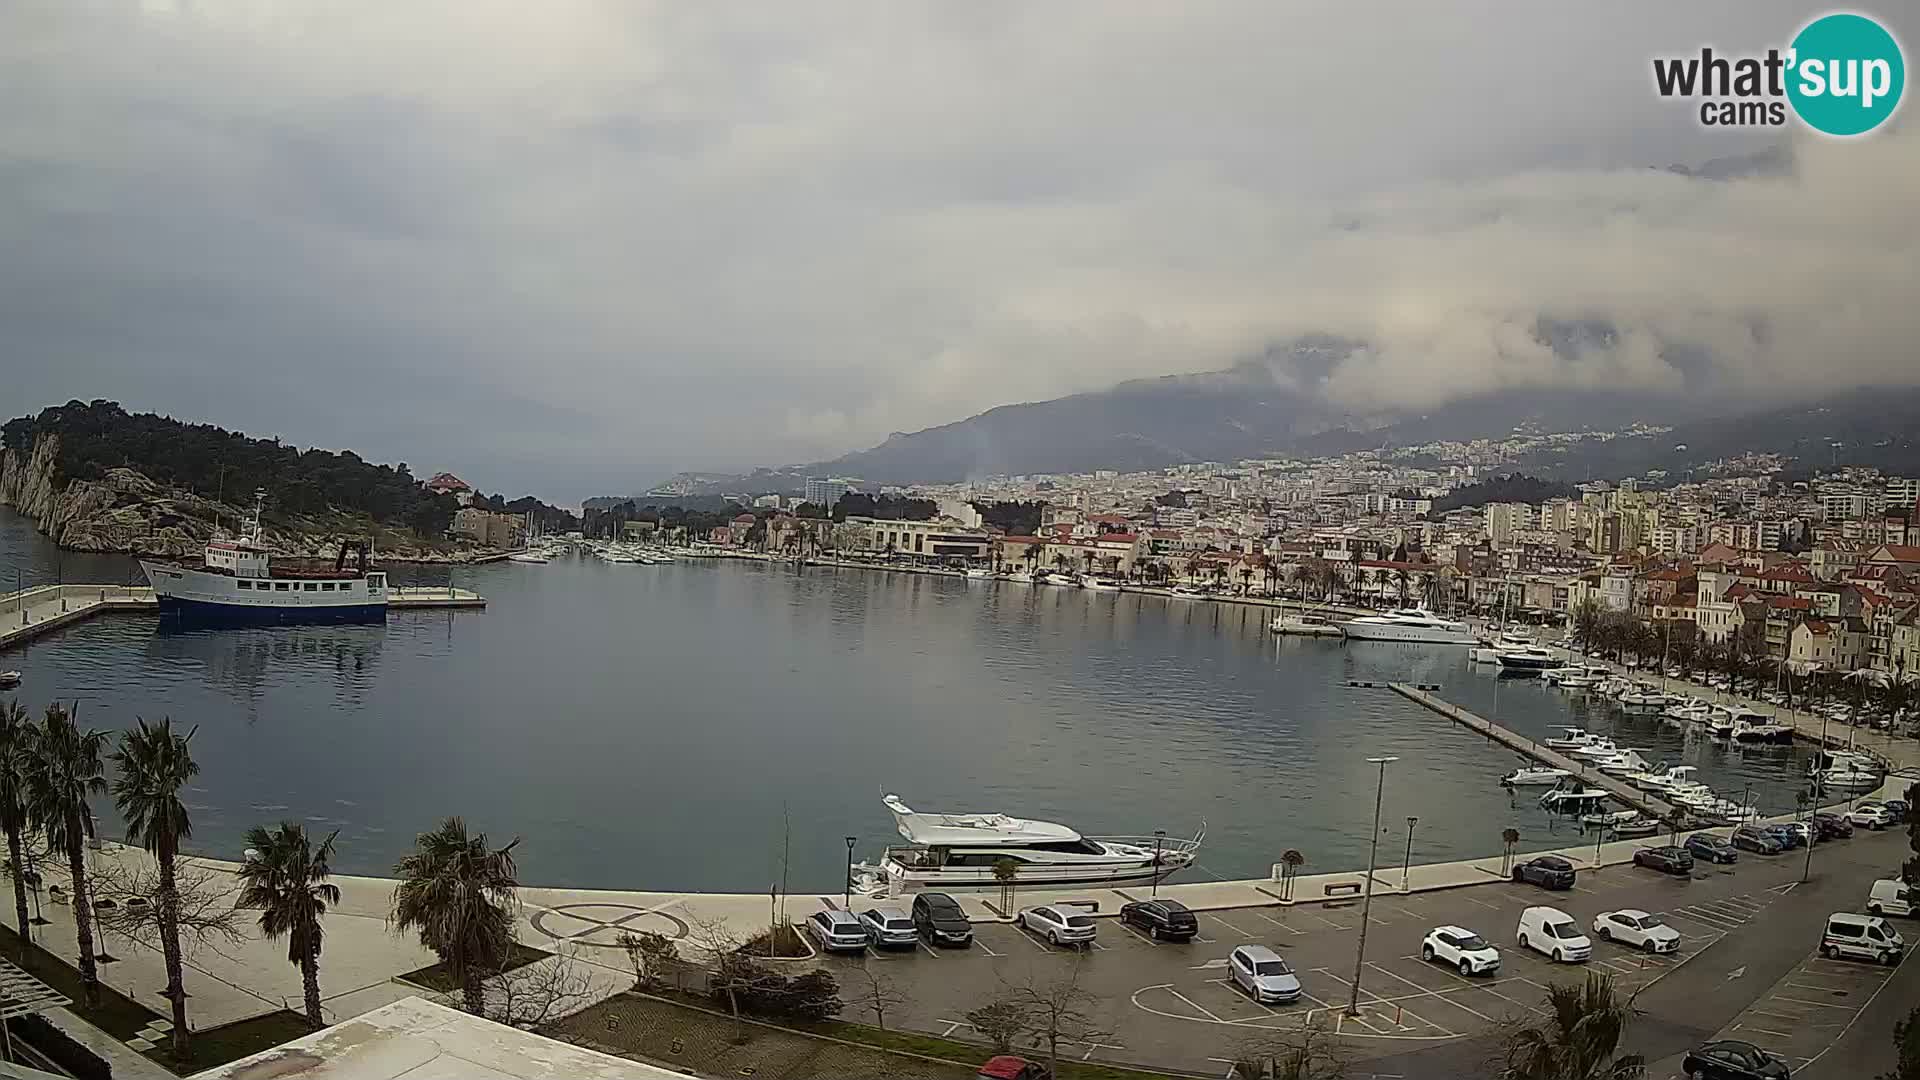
(937, 919)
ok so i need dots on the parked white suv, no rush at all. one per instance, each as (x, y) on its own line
(1631, 926)
(1871, 816)
(1553, 932)
(1462, 948)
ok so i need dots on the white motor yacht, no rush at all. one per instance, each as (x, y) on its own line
(1677, 776)
(1534, 776)
(1642, 696)
(1304, 624)
(1595, 749)
(1625, 762)
(1846, 770)
(1724, 719)
(947, 852)
(1570, 739)
(1528, 659)
(1409, 625)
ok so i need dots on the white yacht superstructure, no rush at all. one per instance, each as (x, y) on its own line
(1411, 626)
(961, 851)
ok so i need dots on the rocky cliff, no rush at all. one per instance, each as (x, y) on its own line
(125, 511)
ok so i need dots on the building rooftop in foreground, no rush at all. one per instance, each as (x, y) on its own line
(419, 1040)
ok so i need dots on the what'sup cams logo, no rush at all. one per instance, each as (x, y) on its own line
(1842, 75)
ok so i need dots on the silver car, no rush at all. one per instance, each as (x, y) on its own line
(1059, 925)
(1264, 976)
(889, 927)
(837, 931)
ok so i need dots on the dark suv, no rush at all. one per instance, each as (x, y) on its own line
(1546, 871)
(1161, 919)
(1831, 826)
(1667, 860)
(939, 919)
(1757, 839)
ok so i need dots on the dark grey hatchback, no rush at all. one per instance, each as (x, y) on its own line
(1546, 871)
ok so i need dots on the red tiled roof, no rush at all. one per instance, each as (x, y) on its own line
(1902, 553)
(1119, 538)
(743, 519)
(1816, 626)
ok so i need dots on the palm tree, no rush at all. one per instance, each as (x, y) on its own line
(287, 882)
(16, 751)
(1509, 837)
(153, 765)
(1577, 1038)
(456, 892)
(65, 772)
(1401, 579)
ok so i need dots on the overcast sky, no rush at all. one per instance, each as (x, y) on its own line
(570, 247)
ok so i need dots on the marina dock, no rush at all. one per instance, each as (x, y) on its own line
(29, 613)
(1519, 743)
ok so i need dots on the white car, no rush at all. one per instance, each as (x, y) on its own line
(1870, 816)
(1061, 925)
(1462, 948)
(1631, 926)
(1553, 933)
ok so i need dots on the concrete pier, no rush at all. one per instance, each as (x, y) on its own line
(1519, 743)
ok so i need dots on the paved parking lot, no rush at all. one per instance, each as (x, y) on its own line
(1809, 1008)
(1170, 1004)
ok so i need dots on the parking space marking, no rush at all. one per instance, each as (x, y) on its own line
(1234, 928)
(1133, 931)
(1329, 922)
(1761, 1030)
(1296, 931)
(1403, 1012)
(930, 951)
(1431, 992)
(984, 947)
(1482, 903)
(1803, 1001)
(1237, 993)
(1714, 922)
(1208, 1013)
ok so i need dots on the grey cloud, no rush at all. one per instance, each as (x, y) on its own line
(565, 243)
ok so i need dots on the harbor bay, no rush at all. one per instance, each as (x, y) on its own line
(678, 727)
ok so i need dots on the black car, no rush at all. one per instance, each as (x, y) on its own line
(1667, 860)
(939, 919)
(1711, 848)
(1898, 807)
(1167, 920)
(1546, 871)
(1831, 826)
(1757, 839)
(1781, 831)
(1730, 1059)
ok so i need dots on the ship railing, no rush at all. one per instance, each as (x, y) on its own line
(1189, 846)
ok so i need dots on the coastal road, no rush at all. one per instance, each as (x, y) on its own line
(1745, 928)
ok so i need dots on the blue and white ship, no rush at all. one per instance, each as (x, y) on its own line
(239, 583)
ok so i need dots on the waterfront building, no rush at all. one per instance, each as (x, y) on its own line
(824, 491)
(487, 527)
(940, 538)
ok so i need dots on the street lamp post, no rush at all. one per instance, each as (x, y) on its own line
(1159, 835)
(1406, 866)
(851, 840)
(1366, 903)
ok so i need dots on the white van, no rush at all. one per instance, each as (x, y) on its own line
(1554, 933)
(1863, 937)
(1890, 897)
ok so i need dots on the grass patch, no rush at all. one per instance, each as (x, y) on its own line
(785, 941)
(217, 1046)
(437, 977)
(117, 1014)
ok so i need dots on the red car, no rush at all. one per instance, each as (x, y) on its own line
(1008, 1067)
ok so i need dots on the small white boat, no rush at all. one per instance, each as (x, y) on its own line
(1570, 739)
(1305, 624)
(1534, 776)
(1625, 762)
(1688, 711)
(1186, 592)
(1595, 749)
(1676, 777)
(9, 679)
(1100, 584)
(1747, 731)
(1642, 696)
(1608, 819)
(1490, 653)
(1846, 770)
(977, 573)
(527, 557)
(1560, 801)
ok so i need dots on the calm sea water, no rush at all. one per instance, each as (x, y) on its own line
(677, 726)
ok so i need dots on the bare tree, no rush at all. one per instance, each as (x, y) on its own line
(1000, 1022)
(126, 892)
(652, 956)
(1054, 1009)
(538, 993)
(877, 994)
(1312, 1053)
(733, 972)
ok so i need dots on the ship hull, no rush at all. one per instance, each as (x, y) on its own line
(206, 598)
(1410, 635)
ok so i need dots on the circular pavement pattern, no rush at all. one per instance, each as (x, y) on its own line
(601, 925)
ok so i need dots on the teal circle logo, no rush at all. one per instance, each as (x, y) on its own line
(1846, 74)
